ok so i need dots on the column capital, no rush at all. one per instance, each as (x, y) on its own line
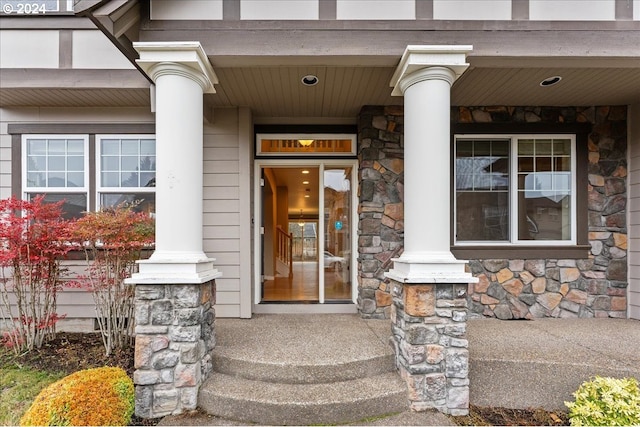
(177, 58)
(420, 57)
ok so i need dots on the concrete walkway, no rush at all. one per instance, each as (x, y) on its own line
(513, 364)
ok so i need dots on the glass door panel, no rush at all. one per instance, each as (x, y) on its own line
(290, 243)
(337, 233)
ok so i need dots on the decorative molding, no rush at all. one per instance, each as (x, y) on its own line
(183, 58)
(418, 57)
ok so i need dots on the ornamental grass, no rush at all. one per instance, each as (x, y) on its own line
(92, 397)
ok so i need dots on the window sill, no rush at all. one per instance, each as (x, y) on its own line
(521, 252)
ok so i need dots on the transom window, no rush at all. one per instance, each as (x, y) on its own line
(515, 189)
(57, 167)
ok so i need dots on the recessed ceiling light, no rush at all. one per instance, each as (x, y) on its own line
(305, 172)
(306, 196)
(550, 81)
(310, 80)
(305, 182)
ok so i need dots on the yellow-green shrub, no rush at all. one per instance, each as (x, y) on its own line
(93, 397)
(606, 402)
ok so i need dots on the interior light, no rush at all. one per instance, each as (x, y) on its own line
(306, 196)
(305, 171)
(305, 142)
(305, 182)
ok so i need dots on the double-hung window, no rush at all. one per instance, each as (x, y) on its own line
(515, 189)
(127, 171)
(56, 166)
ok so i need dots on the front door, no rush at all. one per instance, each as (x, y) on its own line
(306, 233)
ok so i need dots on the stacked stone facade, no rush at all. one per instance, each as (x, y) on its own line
(174, 339)
(381, 226)
(508, 288)
(429, 325)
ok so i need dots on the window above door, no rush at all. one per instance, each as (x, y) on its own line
(297, 144)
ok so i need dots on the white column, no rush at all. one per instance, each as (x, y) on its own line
(424, 76)
(181, 72)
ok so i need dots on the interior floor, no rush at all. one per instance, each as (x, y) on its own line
(303, 286)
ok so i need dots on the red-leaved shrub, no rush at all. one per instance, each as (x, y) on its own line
(33, 239)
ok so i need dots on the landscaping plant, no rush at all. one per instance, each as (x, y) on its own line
(605, 401)
(92, 397)
(113, 240)
(33, 239)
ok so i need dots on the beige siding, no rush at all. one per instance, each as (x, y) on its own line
(634, 211)
(5, 160)
(76, 304)
(221, 207)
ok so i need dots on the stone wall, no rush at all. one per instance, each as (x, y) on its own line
(381, 226)
(429, 325)
(507, 288)
(174, 339)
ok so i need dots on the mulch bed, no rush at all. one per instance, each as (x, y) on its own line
(71, 352)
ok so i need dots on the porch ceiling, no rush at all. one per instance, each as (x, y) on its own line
(342, 91)
(277, 91)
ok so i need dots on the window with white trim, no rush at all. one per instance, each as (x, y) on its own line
(515, 189)
(56, 166)
(126, 171)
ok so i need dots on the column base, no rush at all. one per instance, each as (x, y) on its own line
(429, 268)
(174, 339)
(175, 269)
(428, 323)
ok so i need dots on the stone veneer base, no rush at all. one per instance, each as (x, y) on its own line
(429, 323)
(174, 339)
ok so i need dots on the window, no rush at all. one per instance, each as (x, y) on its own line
(57, 166)
(127, 171)
(516, 189)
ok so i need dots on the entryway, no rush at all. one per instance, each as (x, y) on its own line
(306, 232)
(305, 228)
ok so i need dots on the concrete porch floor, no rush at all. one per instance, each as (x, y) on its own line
(514, 364)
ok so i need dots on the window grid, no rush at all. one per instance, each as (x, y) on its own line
(537, 205)
(57, 167)
(126, 171)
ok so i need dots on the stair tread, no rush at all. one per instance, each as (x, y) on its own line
(290, 371)
(299, 394)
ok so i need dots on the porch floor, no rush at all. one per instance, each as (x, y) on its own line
(513, 364)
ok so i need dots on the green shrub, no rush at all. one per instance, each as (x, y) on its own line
(606, 402)
(93, 397)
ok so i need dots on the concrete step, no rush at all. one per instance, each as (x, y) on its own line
(270, 403)
(289, 372)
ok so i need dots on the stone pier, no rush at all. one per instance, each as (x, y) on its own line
(174, 338)
(429, 323)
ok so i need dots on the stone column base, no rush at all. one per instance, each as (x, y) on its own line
(174, 338)
(429, 337)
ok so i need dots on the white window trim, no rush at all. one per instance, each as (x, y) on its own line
(98, 168)
(55, 190)
(513, 200)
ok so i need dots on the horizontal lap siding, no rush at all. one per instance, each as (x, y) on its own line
(634, 211)
(222, 206)
(5, 160)
(76, 304)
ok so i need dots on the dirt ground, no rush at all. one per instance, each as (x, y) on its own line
(71, 352)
